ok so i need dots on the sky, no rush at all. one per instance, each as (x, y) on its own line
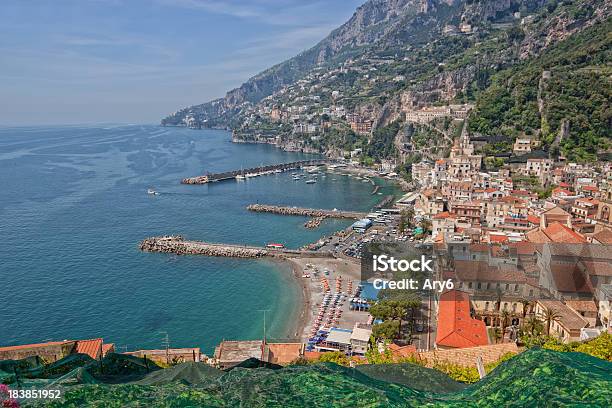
(135, 61)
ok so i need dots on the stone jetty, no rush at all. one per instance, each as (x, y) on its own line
(177, 245)
(306, 212)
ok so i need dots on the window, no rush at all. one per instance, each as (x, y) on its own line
(530, 292)
(470, 285)
(514, 307)
(516, 287)
(488, 285)
(507, 286)
(479, 285)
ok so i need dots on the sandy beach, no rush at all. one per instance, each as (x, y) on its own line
(313, 292)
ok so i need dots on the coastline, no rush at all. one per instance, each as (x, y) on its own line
(312, 293)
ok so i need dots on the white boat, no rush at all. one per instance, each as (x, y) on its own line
(152, 192)
(278, 171)
(311, 181)
(240, 177)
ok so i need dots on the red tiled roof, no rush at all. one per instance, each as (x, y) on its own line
(93, 347)
(456, 328)
(497, 238)
(557, 233)
(443, 215)
(534, 219)
(108, 348)
(560, 233)
(402, 351)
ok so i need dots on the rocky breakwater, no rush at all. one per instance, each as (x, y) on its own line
(305, 212)
(178, 245)
(314, 222)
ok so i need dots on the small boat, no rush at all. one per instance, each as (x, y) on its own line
(311, 181)
(274, 245)
(240, 177)
(152, 192)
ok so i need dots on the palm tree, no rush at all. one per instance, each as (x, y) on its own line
(533, 326)
(496, 334)
(550, 315)
(498, 300)
(526, 303)
(505, 316)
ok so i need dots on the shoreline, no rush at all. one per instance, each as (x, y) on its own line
(312, 292)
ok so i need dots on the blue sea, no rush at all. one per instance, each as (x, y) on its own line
(74, 206)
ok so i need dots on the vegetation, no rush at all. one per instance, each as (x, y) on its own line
(600, 347)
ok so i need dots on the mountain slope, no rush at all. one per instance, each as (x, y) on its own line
(520, 63)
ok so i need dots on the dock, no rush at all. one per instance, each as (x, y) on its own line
(176, 244)
(252, 172)
(306, 212)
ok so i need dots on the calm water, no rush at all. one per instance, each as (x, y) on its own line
(73, 207)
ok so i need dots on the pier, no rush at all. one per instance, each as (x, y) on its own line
(306, 212)
(176, 244)
(252, 172)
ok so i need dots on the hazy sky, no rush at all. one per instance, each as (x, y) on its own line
(134, 61)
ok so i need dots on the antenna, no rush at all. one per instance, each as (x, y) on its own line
(166, 345)
(264, 311)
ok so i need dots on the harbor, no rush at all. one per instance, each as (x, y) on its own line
(243, 174)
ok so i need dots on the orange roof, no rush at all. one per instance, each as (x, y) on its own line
(497, 238)
(590, 188)
(402, 351)
(108, 348)
(443, 215)
(93, 347)
(558, 232)
(555, 232)
(456, 328)
(534, 219)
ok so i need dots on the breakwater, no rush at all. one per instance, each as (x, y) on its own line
(176, 244)
(252, 172)
(306, 212)
(385, 202)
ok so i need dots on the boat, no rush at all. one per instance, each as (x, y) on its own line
(152, 192)
(240, 177)
(278, 171)
(311, 181)
(274, 245)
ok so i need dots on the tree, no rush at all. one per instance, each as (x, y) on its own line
(550, 315)
(497, 334)
(498, 299)
(505, 316)
(526, 304)
(426, 226)
(387, 330)
(406, 218)
(533, 326)
(336, 357)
